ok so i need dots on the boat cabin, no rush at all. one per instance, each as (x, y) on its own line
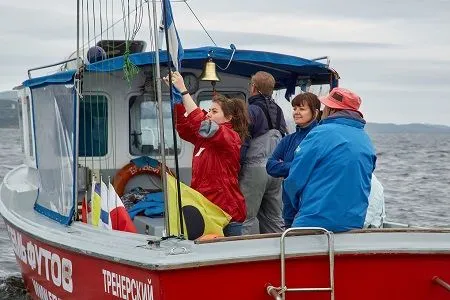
(90, 123)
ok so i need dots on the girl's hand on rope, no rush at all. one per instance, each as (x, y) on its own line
(177, 81)
(178, 88)
(176, 94)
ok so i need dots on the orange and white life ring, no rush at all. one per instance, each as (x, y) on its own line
(130, 170)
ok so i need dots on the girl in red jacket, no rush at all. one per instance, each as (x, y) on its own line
(217, 137)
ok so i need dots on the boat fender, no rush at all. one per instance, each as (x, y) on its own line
(136, 167)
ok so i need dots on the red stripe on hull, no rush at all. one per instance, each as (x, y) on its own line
(368, 277)
(69, 275)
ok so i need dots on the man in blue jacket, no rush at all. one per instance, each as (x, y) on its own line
(329, 179)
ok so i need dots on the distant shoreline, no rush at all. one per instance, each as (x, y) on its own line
(370, 127)
(9, 118)
(406, 128)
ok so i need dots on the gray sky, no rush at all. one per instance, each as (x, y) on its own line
(394, 54)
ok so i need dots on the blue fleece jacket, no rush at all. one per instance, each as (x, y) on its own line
(329, 179)
(279, 164)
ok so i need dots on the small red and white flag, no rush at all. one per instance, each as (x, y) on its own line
(119, 216)
(85, 211)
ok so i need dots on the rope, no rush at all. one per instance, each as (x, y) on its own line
(93, 16)
(130, 70)
(231, 58)
(204, 29)
(81, 93)
(107, 23)
(99, 140)
(139, 16)
(207, 33)
(105, 102)
(124, 18)
(101, 20)
(128, 28)
(82, 27)
(113, 107)
(174, 134)
(88, 27)
(152, 45)
(109, 27)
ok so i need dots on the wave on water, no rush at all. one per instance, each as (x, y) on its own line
(12, 288)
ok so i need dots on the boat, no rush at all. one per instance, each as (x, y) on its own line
(86, 119)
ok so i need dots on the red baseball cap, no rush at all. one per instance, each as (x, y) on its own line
(340, 98)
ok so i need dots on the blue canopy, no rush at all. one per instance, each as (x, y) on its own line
(285, 68)
(288, 70)
(61, 77)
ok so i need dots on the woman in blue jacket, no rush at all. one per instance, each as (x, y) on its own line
(306, 107)
(329, 180)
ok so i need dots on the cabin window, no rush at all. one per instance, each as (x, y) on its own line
(93, 131)
(145, 129)
(204, 99)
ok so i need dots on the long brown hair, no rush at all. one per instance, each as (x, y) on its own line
(235, 108)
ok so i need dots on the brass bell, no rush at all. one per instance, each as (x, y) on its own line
(209, 72)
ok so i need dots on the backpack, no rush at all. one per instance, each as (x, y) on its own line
(265, 108)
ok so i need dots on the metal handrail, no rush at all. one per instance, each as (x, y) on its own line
(322, 58)
(48, 66)
(441, 282)
(283, 289)
(274, 292)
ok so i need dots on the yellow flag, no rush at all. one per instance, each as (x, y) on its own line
(201, 216)
(96, 203)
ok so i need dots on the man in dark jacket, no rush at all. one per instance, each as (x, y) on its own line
(262, 192)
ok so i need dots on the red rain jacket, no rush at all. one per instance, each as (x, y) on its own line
(215, 162)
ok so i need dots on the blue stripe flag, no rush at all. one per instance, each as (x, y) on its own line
(175, 49)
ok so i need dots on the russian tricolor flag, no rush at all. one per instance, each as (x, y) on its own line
(106, 209)
(175, 49)
(120, 219)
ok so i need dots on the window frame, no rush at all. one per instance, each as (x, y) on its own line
(134, 122)
(109, 127)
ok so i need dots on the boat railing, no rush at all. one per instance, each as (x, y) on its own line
(442, 283)
(314, 232)
(49, 66)
(390, 224)
(252, 237)
(327, 58)
(279, 293)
